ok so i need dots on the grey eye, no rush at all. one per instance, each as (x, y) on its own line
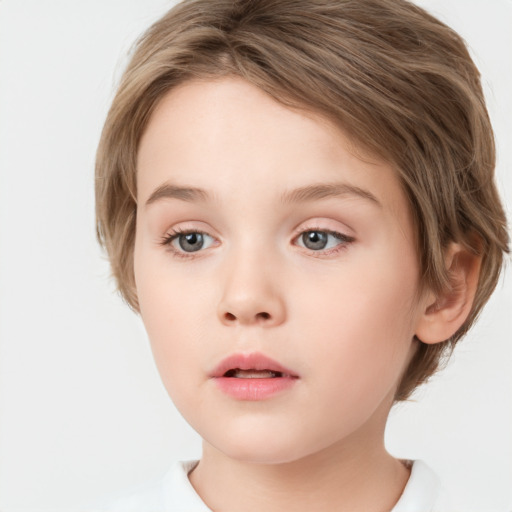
(315, 240)
(322, 239)
(191, 242)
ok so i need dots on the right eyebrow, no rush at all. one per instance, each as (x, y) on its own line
(169, 191)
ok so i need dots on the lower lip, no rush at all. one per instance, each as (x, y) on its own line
(254, 389)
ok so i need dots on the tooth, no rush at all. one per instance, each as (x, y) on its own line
(254, 374)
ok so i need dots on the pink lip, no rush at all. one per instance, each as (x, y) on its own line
(252, 361)
(255, 388)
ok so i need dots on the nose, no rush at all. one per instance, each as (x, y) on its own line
(251, 293)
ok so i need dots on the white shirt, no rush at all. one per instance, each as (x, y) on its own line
(174, 493)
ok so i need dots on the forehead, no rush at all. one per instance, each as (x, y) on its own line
(231, 138)
(231, 111)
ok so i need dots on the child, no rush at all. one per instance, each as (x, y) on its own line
(298, 199)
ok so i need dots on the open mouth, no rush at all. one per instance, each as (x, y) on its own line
(238, 373)
(251, 366)
(252, 377)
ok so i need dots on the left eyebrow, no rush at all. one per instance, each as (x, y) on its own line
(326, 190)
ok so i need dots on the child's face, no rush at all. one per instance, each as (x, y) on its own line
(268, 277)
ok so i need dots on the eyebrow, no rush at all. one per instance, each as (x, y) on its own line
(326, 190)
(170, 191)
(298, 195)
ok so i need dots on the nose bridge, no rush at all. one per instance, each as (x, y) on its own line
(250, 291)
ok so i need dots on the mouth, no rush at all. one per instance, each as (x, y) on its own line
(238, 373)
(251, 366)
(253, 377)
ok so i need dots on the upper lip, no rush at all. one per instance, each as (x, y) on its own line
(252, 361)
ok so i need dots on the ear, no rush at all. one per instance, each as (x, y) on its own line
(443, 315)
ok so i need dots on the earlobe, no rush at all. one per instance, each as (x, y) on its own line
(446, 313)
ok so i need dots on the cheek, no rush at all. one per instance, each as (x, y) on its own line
(172, 319)
(169, 315)
(367, 295)
(168, 298)
(362, 322)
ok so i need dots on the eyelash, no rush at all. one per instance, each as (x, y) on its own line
(177, 232)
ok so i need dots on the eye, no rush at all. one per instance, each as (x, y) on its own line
(322, 240)
(182, 243)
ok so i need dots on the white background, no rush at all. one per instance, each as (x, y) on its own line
(82, 410)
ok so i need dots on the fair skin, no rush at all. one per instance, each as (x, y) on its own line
(269, 276)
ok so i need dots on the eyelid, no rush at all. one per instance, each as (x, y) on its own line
(323, 225)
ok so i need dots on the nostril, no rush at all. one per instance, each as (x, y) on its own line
(230, 317)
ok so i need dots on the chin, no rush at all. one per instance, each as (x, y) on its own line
(263, 455)
(266, 446)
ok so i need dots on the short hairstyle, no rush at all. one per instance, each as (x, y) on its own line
(398, 81)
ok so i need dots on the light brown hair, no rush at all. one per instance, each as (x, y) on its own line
(397, 80)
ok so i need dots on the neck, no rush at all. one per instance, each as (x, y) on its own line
(356, 474)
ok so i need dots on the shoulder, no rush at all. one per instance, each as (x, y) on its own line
(170, 493)
(423, 492)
